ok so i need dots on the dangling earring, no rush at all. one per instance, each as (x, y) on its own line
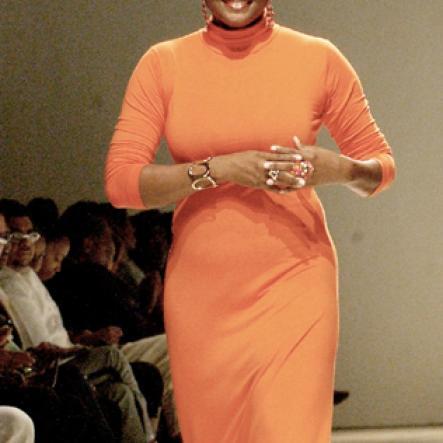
(269, 15)
(205, 12)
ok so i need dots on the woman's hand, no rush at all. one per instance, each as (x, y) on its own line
(161, 185)
(328, 166)
(251, 169)
(361, 176)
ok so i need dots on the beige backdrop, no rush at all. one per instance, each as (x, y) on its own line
(64, 67)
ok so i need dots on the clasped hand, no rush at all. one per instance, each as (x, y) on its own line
(251, 168)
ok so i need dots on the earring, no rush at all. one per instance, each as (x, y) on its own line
(205, 13)
(269, 15)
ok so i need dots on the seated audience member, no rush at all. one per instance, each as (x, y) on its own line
(15, 426)
(57, 248)
(123, 230)
(150, 383)
(91, 297)
(5, 237)
(38, 323)
(88, 294)
(39, 254)
(154, 237)
(147, 288)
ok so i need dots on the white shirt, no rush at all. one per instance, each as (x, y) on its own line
(34, 313)
(15, 426)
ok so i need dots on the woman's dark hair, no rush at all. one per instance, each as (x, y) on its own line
(74, 215)
(80, 221)
(117, 219)
(43, 213)
(54, 234)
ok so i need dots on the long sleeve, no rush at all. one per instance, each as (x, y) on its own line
(138, 131)
(348, 117)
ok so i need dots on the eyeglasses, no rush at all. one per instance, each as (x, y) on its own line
(17, 237)
(5, 321)
(4, 239)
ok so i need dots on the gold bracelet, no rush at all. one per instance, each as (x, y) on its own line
(202, 181)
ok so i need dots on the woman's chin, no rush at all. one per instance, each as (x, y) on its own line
(236, 13)
(236, 21)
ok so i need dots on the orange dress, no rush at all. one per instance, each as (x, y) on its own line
(251, 283)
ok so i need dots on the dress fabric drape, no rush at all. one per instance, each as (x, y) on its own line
(251, 310)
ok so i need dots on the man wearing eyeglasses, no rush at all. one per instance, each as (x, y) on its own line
(23, 239)
(5, 245)
(19, 280)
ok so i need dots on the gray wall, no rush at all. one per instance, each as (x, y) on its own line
(62, 80)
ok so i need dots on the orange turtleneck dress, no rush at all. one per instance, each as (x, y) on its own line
(251, 284)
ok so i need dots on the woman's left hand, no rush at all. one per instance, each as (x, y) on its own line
(328, 166)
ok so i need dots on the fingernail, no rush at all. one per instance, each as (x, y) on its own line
(274, 148)
(296, 141)
(267, 165)
(298, 157)
(270, 182)
(301, 182)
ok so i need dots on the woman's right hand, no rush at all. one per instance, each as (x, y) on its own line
(251, 168)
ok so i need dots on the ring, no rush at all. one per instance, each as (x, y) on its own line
(274, 173)
(272, 177)
(303, 169)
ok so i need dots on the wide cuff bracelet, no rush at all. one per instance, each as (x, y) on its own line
(204, 180)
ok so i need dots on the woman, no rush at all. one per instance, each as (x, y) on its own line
(251, 284)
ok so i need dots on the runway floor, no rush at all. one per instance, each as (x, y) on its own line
(429, 434)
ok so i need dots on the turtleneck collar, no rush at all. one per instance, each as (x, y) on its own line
(237, 43)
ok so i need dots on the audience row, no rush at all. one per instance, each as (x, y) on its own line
(82, 345)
